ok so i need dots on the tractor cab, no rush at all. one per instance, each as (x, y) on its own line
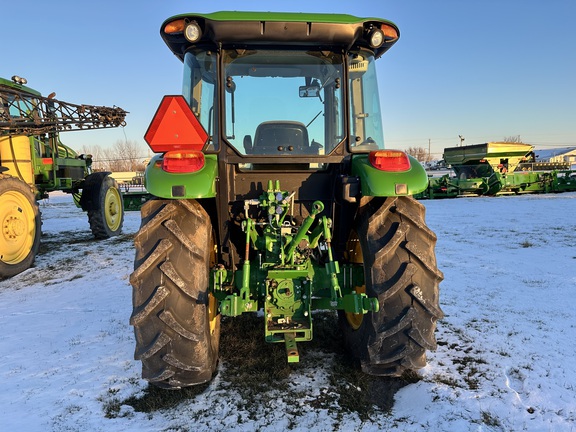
(270, 92)
(289, 103)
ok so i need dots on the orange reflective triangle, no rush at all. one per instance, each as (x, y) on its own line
(175, 127)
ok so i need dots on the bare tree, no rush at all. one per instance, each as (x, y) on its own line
(513, 139)
(130, 153)
(122, 156)
(419, 153)
(112, 160)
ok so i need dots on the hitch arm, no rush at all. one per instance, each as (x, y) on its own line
(356, 303)
(332, 267)
(317, 208)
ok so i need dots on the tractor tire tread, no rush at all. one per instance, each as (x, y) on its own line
(170, 298)
(399, 260)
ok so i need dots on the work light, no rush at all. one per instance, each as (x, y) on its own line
(376, 38)
(193, 32)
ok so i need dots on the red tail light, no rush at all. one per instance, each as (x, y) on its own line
(183, 161)
(390, 160)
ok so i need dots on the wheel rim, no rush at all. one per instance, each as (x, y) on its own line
(113, 209)
(17, 217)
(212, 301)
(212, 312)
(355, 256)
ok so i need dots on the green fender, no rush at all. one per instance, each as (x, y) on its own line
(374, 182)
(199, 184)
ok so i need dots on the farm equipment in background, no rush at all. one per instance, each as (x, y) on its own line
(498, 168)
(273, 194)
(131, 185)
(34, 162)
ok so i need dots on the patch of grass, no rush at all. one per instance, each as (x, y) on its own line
(467, 367)
(257, 373)
(526, 244)
(111, 407)
(362, 393)
(257, 370)
(155, 399)
(447, 380)
(250, 362)
(490, 420)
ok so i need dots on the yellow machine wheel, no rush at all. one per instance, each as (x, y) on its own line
(102, 199)
(113, 209)
(19, 227)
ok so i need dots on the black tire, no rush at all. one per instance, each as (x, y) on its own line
(397, 250)
(106, 214)
(176, 325)
(19, 227)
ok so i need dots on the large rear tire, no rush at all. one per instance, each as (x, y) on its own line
(397, 251)
(175, 319)
(20, 227)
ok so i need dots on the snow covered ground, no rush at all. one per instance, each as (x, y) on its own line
(505, 360)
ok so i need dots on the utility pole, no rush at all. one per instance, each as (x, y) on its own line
(461, 140)
(429, 155)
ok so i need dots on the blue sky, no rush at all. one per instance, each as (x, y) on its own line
(483, 69)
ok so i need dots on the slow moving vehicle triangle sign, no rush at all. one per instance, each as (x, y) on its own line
(175, 127)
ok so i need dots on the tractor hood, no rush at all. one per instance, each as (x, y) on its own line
(277, 28)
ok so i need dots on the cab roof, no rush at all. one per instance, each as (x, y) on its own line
(19, 87)
(278, 29)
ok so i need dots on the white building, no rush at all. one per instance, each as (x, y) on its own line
(565, 154)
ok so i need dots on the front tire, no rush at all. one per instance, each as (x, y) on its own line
(103, 201)
(176, 325)
(20, 227)
(397, 251)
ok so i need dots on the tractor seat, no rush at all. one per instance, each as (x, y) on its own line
(285, 137)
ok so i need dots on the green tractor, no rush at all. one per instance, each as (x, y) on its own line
(33, 162)
(273, 195)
